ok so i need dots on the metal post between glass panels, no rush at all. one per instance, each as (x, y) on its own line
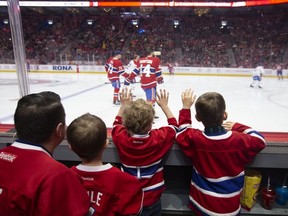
(18, 46)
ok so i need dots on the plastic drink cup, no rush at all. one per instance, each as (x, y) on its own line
(281, 195)
(268, 196)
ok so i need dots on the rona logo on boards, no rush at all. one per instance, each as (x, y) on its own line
(62, 67)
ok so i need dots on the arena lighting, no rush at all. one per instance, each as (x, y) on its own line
(135, 22)
(176, 22)
(223, 23)
(6, 21)
(89, 22)
(50, 22)
(144, 4)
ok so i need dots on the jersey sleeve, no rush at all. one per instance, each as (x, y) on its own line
(184, 118)
(254, 141)
(158, 70)
(106, 66)
(130, 198)
(183, 137)
(120, 67)
(117, 130)
(132, 75)
(165, 137)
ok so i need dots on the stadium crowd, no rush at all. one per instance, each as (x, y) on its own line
(244, 40)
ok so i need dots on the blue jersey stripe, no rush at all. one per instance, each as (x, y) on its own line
(142, 171)
(227, 186)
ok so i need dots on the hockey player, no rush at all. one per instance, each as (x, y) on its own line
(219, 154)
(141, 149)
(257, 76)
(150, 72)
(133, 64)
(112, 191)
(279, 72)
(114, 69)
(170, 68)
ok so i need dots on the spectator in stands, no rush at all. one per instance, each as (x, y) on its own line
(112, 191)
(141, 149)
(31, 181)
(199, 42)
(219, 154)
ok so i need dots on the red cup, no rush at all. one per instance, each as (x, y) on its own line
(268, 197)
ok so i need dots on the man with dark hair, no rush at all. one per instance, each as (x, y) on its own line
(31, 181)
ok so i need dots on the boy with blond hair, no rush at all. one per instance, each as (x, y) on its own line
(141, 148)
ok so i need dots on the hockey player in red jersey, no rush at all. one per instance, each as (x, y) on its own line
(150, 71)
(114, 69)
(219, 154)
(170, 68)
(31, 181)
(141, 149)
(279, 71)
(112, 191)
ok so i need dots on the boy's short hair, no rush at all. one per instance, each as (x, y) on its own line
(138, 116)
(87, 135)
(37, 115)
(210, 108)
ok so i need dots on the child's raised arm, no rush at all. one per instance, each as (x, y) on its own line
(188, 98)
(162, 101)
(125, 97)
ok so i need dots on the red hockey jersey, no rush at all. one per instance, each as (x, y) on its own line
(32, 183)
(114, 69)
(141, 156)
(111, 191)
(149, 70)
(219, 158)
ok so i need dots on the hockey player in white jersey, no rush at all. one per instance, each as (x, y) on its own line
(257, 76)
(133, 64)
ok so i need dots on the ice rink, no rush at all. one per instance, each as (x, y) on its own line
(263, 109)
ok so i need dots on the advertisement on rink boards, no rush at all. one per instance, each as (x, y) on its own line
(99, 69)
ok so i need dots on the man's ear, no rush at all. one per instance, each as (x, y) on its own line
(225, 116)
(61, 130)
(107, 143)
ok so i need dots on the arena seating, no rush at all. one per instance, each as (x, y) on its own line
(248, 38)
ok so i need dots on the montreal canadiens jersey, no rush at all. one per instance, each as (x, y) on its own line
(32, 183)
(149, 70)
(114, 69)
(141, 156)
(133, 64)
(111, 191)
(219, 158)
(279, 68)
